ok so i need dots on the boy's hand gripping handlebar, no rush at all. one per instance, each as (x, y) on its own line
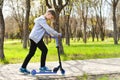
(57, 39)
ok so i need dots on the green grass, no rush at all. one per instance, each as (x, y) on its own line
(14, 52)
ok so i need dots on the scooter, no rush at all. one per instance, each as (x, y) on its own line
(55, 70)
(60, 63)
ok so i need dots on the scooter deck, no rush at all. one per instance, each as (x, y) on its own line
(46, 73)
(34, 72)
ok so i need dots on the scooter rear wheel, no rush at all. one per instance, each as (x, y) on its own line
(62, 71)
(33, 72)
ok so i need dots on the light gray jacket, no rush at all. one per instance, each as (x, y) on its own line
(40, 28)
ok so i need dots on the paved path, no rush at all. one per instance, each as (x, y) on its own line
(73, 68)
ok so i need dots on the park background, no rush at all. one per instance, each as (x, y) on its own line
(90, 29)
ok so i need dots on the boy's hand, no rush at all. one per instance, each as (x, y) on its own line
(59, 35)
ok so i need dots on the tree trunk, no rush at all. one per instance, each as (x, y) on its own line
(97, 36)
(26, 30)
(85, 33)
(93, 29)
(93, 33)
(84, 17)
(58, 5)
(115, 26)
(100, 22)
(2, 31)
(56, 26)
(115, 34)
(102, 34)
(67, 34)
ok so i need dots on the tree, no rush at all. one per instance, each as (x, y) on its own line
(78, 21)
(93, 23)
(100, 19)
(118, 20)
(2, 31)
(58, 5)
(18, 10)
(94, 20)
(26, 26)
(84, 7)
(114, 5)
(67, 11)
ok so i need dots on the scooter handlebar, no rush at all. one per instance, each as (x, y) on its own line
(57, 43)
(57, 40)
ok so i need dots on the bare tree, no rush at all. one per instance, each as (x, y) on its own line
(58, 5)
(84, 9)
(100, 18)
(93, 23)
(78, 21)
(18, 10)
(2, 31)
(94, 20)
(26, 26)
(67, 11)
(118, 20)
(114, 3)
(114, 6)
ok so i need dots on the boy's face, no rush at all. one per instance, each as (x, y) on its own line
(49, 16)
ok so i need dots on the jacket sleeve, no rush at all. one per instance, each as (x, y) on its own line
(48, 29)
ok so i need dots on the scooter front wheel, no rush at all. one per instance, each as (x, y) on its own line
(55, 69)
(62, 71)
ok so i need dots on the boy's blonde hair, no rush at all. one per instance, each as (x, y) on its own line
(52, 11)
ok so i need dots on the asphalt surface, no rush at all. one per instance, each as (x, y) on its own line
(73, 68)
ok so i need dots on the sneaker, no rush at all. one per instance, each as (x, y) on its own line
(45, 69)
(24, 70)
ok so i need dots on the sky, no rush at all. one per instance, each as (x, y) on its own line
(6, 10)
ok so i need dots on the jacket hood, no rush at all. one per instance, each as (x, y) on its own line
(39, 18)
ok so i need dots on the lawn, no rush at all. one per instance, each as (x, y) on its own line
(14, 52)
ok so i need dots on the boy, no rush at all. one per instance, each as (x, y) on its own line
(36, 39)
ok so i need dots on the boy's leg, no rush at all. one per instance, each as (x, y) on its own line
(41, 45)
(31, 53)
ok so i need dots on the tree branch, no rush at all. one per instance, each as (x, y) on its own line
(55, 5)
(66, 3)
(60, 2)
(108, 2)
(47, 4)
(116, 2)
(1, 3)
